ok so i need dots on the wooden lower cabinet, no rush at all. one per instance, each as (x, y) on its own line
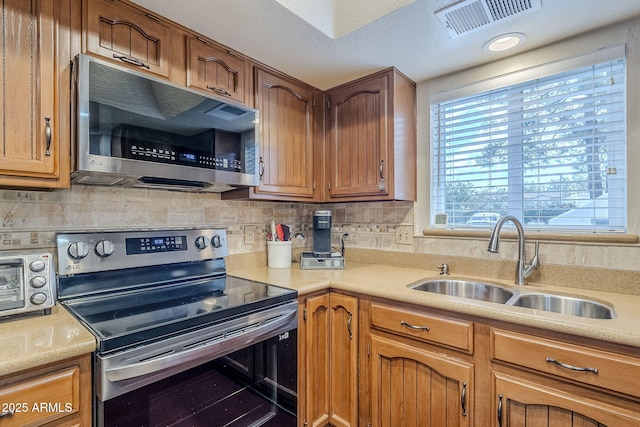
(529, 402)
(410, 365)
(329, 357)
(413, 387)
(58, 395)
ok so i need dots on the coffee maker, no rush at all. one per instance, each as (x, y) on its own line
(322, 233)
(322, 257)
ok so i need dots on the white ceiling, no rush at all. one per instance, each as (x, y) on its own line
(410, 37)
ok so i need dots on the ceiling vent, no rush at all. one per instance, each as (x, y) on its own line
(470, 15)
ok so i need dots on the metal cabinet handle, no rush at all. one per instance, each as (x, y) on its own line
(336, 308)
(47, 133)
(132, 61)
(381, 173)
(463, 399)
(261, 166)
(219, 90)
(500, 411)
(571, 367)
(6, 414)
(409, 325)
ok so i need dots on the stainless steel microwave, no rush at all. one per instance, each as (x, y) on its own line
(27, 283)
(136, 130)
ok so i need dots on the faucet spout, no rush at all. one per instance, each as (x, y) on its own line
(523, 270)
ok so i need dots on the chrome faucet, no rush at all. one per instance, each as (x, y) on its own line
(522, 269)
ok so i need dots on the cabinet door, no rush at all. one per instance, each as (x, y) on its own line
(287, 111)
(317, 343)
(519, 402)
(30, 123)
(343, 361)
(120, 32)
(358, 138)
(331, 366)
(413, 387)
(216, 70)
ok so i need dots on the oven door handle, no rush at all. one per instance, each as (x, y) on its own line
(209, 349)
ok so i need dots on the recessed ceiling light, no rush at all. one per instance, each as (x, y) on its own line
(504, 42)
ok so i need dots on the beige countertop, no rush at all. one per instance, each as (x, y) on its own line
(391, 283)
(41, 339)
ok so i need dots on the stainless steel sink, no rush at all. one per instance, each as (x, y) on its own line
(465, 289)
(571, 306)
(565, 305)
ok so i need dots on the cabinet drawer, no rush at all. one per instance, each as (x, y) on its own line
(442, 330)
(41, 399)
(579, 363)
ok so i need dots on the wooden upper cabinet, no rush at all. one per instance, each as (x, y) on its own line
(216, 69)
(288, 128)
(122, 33)
(371, 135)
(35, 91)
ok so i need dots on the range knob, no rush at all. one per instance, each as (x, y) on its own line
(37, 282)
(202, 242)
(78, 250)
(216, 241)
(38, 298)
(37, 265)
(104, 248)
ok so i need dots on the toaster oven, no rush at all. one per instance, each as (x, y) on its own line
(27, 283)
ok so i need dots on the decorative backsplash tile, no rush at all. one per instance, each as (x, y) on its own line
(30, 219)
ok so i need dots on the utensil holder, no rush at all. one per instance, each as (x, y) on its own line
(279, 254)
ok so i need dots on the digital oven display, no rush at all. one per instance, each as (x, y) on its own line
(187, 157)
(152, 245)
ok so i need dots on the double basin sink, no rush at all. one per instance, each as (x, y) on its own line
(480, 291)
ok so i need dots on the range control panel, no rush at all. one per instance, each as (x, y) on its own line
(102, 251)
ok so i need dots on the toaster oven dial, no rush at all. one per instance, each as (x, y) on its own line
(38, 298)
(104, 248)
(37, 265)
(37, 282)
(202, 242)
(78, 250)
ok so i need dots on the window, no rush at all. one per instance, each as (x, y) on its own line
(550, 151)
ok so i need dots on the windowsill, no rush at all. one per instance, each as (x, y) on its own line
(537, 235)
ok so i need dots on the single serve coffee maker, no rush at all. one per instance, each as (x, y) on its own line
(322, 256)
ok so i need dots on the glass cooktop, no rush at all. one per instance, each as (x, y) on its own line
(144, 315)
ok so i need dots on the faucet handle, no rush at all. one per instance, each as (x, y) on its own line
(444, 269)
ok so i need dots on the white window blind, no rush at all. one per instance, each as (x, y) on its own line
(550, 151)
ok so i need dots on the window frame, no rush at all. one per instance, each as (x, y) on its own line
(514, 78)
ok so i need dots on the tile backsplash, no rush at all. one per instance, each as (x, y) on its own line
(30, 219)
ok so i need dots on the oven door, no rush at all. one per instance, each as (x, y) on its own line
(254, 386)
(11, 284)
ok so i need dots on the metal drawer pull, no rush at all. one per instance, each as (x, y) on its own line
(571, 367)
(463, 399)
(409, 325)
(219, 90)
(47, 132)
(6, 414)
(348, 321)
(500, 411)
(132, 61)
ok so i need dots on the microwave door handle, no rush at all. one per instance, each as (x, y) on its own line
(210, 350)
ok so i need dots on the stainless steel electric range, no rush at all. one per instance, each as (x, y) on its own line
(180, 342)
